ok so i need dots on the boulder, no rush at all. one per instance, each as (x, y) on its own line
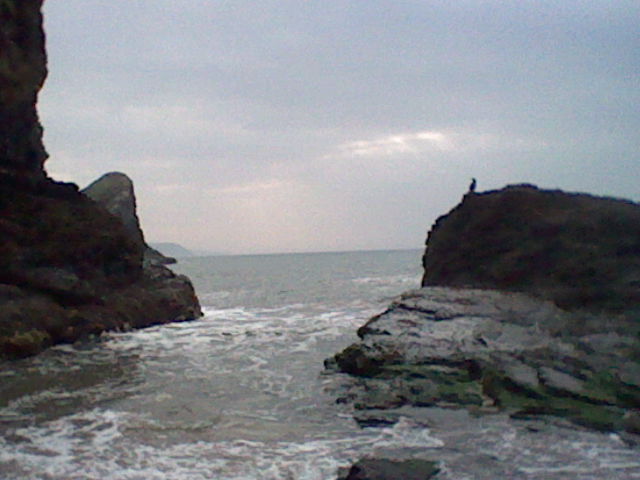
(486, 349)
(579, 250)
(390, 469)
(114, 191)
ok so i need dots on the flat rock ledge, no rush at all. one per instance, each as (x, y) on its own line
(490, 351)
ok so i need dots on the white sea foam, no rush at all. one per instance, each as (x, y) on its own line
(241, 394)
(388, 280)
(103, 444)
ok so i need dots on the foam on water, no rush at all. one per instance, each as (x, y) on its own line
(241, 393)
(111, 445)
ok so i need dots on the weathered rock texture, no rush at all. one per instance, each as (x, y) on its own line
(114, 191)
(484, 348)
(68, 268)
(575, 249)
(569, 347)
(22, 73)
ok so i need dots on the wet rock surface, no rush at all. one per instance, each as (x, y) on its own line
(530, 308)
(390, 469)
(487, 350)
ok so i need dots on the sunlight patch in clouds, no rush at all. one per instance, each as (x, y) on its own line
(434, 141)
(397, 144)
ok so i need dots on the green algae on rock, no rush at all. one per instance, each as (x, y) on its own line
(530, 305)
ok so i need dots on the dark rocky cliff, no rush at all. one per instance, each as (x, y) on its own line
(22, 73)
(578, 250)
(68, 268)
(530, 305)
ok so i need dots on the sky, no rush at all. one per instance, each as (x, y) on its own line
(279, 126)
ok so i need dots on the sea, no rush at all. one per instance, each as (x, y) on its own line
(242, 393)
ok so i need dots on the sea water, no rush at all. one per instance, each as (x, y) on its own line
(242, 393)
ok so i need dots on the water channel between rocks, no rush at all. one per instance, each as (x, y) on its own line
(241, 393)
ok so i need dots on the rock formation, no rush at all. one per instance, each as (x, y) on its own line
(390, 469)
(68, 268)
(22, 72)
(578, 250)
(530, 306)
(114, 191)
(172, 250)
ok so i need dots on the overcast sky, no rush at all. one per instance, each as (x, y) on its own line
(275, 126)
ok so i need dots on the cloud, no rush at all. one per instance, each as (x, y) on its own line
(251, 189)
(396, 144)
(170, 188)
(433, 141)
(336, 124)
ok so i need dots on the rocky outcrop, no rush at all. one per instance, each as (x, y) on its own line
(114, 191)
(488, 350)
(68, 268)
(578, 250)
(172, 250)
(569, 347)
(22, 73)
(390, 469)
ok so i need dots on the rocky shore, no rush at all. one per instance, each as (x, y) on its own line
(68, 266)
(529, 307)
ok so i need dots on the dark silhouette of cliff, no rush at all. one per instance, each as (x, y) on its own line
(68, 267)
(579, 250)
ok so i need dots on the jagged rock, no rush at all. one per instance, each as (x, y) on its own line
(23, 69)
(68, 268)
(155, 257)
(114, 191)
(552, 327)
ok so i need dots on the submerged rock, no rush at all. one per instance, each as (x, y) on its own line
(68, 267)
(390, 469)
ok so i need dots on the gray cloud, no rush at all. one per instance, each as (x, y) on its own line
(280, 125)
